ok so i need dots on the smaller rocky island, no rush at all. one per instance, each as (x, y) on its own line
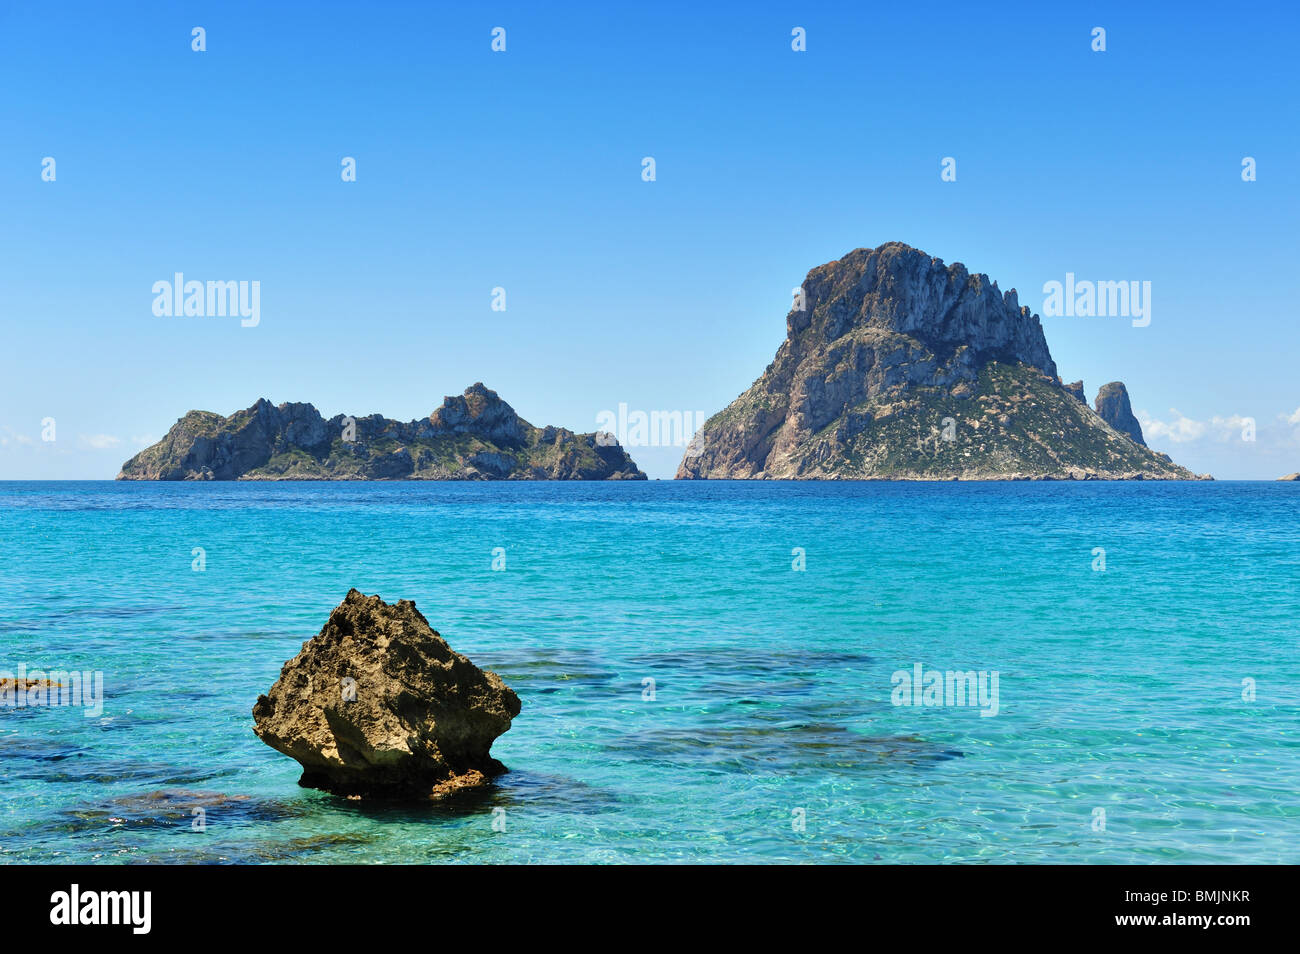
(377, 705)
(476, 436)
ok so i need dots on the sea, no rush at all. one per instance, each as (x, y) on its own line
(720, 672)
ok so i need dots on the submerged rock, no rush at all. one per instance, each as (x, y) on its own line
(378, 705)
(170, 808)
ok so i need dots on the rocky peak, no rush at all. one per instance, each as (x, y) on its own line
(1112, 406)
(900, 289)
(301, 425)
(479, 411)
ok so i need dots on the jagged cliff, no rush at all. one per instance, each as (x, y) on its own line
(476, 436)
(1112, 406)
(898, 366)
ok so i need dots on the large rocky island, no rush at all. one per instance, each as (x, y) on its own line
(476, 436)
(899, 367)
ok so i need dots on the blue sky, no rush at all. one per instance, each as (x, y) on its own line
(522, 170)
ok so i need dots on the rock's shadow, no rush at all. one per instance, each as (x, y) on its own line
(536, 791)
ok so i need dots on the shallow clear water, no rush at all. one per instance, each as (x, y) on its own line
(1119, 690)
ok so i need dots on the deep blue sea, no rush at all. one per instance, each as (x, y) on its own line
(1147, 712)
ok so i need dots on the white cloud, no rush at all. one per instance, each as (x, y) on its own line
(18, 438)
(100, 441)
(1180, 429)
(1233, 427)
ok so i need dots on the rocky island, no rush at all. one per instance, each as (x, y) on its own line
(476, 436)
(896, 366)
(377, 705)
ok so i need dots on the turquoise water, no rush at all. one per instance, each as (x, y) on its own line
(1119, 690)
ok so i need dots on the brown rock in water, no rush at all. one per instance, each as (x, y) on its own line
(378, 705)
(22, 685)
